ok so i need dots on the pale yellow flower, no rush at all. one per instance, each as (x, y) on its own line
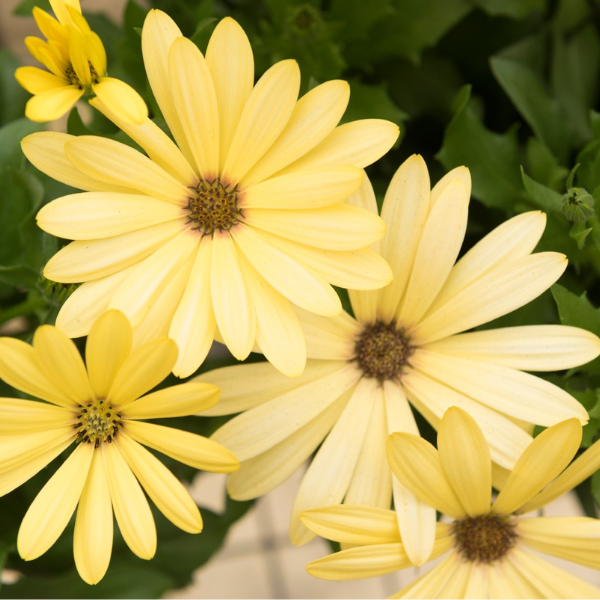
(225, 231)
(489, 544)
(403, 346)
(76, 61)
(101, 411)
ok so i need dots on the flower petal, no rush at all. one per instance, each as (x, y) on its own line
(143, 369)
(121, 165)
(461, 174)
(20, 369)
(266, 113)
(52, 104)
(188, 448)
(25, 416)
(527, 348)
(37, 81)
(298, 284)
(122, 99)
(260, 428)
(196, 104)
(53, 507)
(430, 584)
(93, 538)
(129, 503)
(234, 308)
(107, 348)
(94, 259)
(465, 457)
(164, 489)
(542, 461)
(61, 362)
(313, 118)
(93, 215)
(231, 65)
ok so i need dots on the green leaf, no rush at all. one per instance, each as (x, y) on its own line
(515, 9)
(596, 487)
(543, 166)
(24, 8)
(595, 123)
(359, 16)
(527, 92)
(588, 174)
(492, 158)
(75, 126)
(579, 233)
(10, 142)
(130, 49)
(542, 196)
(12, 96)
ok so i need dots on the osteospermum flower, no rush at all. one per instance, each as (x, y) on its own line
(76, 61)
(100, 411)
(489, 544)
(244, 218)
(403, 346)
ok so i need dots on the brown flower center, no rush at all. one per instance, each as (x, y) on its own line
(98, 422)
(382, 351)
(213, 207)
(485, 538)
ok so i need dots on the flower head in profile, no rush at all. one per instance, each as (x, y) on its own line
(218, 235)
(76, 61)
(404, 345)
(100, 410)
(490, 547)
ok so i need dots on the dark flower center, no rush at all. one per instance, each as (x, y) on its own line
(97, 423)
(382, 351)
(485, 538)
(214, 207)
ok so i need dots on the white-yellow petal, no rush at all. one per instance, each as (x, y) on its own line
(122, 99)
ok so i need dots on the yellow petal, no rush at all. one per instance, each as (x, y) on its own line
(78, 58)
(359, 144)
(246, 386)
(53, 507)
(49, 55)
(267, 424)
(19, 368)
(37, 81)
(265, 472)
(313, 118)
(61, 362)
(405, 209)
(298, 284)
(188, 448)
(164, 489)
(461, 173)
(465, 458)
(278, 332)
(122, 99)
(232, 303)
(527, 348)
(94, 215)
(416, 463)
(265, 114)
(49, 26)
(440, 243)
(231, 65)
(193, 325)
(107, 348)
(196, 104)
(93, 538)
(506, 582)
(46, 151)
(121, 165)
(327, 479)
(129, 503)
(26, 416)
(94, 259)
(97, 55)
(430, 584)
(544, 459)
(353, 524)
(52, 104)
(61, 9)
(339, 227)
(143, 369)
(175, 401)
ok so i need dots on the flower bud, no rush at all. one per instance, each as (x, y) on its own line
(578, 205)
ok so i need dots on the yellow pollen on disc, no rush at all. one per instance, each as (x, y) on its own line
(485, 538)
(213, 207)
(382, 351)
(97, 423)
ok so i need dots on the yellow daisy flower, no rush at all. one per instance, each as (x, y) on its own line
(76, 63)
(101, 412)
(403, 346)
(244, 217)
(489, 544)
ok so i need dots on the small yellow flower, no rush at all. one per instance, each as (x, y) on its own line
(217, 236)
(406, 344)
(76, 63)
(489, 544)
(100, 411)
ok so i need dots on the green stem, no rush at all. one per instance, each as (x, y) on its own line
(29, 306)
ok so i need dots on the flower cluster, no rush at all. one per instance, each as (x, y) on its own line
(236, 229)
